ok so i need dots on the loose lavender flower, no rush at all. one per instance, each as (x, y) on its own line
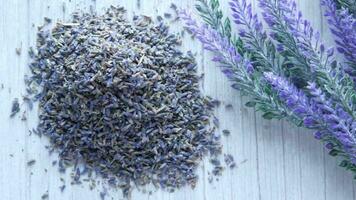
(305, 50)
(343, 26)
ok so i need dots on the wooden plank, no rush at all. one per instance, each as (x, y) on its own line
(275, 159)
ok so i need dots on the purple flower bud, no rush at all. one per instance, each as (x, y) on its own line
(280, 47)
(322, 48)
(329, 146)
(242, 33)
(330, 52)
(249, 67)
(229, 73)
(309, 122)
(318, 135)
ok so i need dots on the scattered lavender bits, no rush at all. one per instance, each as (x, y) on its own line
(120, 98)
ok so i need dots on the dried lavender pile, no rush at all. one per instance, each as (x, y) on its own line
(120, 97)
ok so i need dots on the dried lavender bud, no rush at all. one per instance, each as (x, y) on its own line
(45, 196)
(215, 162)
(62, 188)
(159, 18)
(167, 15)
(226, 132)
(31, 162)
(121, 98)
(15, 107)
(18, 51)
(23, 117)
(229, 161)
(217, 171)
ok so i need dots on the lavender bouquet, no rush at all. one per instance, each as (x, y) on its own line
(288, 72)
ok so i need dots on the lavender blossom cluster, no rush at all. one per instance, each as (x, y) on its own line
(300, 79)
(343, 27)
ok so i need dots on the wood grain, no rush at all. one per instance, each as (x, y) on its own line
(276, 161)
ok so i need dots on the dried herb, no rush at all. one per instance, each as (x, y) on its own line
(121, 98)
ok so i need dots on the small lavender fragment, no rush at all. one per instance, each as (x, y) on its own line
(47, 20)
(217, 171)
(216, 102)
(62, 188)
(215, 162)
(167, 15)
(31, 162)
(159, 18)
(23, 117)
(173, 6)
(103, 194)
(15, 107)
(18, 50)
(226, 132)
(229, 161)
(45, 196)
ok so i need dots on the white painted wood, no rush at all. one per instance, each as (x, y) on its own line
(276, 161)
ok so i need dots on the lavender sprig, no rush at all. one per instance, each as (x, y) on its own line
(211, 14)
(238, 69)
(272, 106)
(304, 48)
(255, 38)
(317, 113)
(338, 122)
(343, 27)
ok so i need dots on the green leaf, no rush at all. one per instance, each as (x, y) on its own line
(250, 104)
(334, 152)
(227, 28)
(214, 4)
(269, 115)
(344, 163)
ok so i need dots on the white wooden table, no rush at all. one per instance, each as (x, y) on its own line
(275, 160)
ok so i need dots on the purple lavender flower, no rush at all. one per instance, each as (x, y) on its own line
(289, 27)
(254, 37)
(343, 27)
(225, 53)
(316, 112)
(306, 51)
(294, 99)
(338, 122)
(242, 14)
